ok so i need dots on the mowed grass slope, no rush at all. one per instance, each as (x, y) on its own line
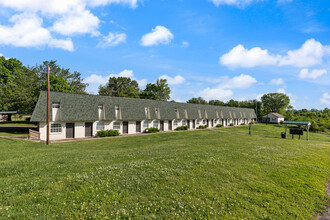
(194, 174)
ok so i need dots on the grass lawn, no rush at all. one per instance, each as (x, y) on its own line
(195, 174)
(14, 134)
(17, 123)
(272, 130)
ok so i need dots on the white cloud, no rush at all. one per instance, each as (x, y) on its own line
(278, 81)
(66, 18)
(185, 44)
(79, 21)
(223, 90)
(112, 39)
(159, 35)
(173, 80)
(239, 82)
(316, 73)
(215, 93)
(310, 53)
(258, 97)
(142, 82)
(281, 90)
(27, 31)
(325, 98)
(238, 3)
(242, 57)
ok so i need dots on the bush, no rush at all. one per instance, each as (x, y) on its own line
(151, 130)
(107, 133)
(202, 126)
(251, 123)
(28, 119)
(231, 124)
(219, 125)
(242, 123)
(113, 133)
(102, 133)
(181, 128)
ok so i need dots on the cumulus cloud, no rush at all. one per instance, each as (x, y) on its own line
(281, 90)
(159, 35)
(223, 90)
(238, 3)
(27, 31)
(310, 53)
(278, 81)
(242, 57)
(173, 80)
(66, 18)
(112, 39)
(325, 98)
(316, 73)
(185, 44)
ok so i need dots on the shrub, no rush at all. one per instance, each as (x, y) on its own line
(252, 123)
(231, 124)
(28, 119)
(102, 133)
(151, 130)
(181, 128)
(219, 125)
(242, 123)
(113, 133)
(202, 126)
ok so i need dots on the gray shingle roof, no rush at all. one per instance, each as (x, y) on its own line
(80, 107)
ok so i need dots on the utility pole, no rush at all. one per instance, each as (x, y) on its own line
(48, 103)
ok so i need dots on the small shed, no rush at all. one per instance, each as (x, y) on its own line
(273, 117)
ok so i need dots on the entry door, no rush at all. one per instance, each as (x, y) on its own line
(194, 123)
(207, 122)
(188, 123)
(138, 126)
(125, 127)
(88, 129)
(169, 125)
(162, 125)
(69, 130)
(211, 123)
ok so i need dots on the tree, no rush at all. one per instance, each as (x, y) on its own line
(232, 103)
(74, 79)
(198, 100)
(120, 87)
(157, 91)
(216, 102)
(57, 84)
(275, 102)
(19, 86)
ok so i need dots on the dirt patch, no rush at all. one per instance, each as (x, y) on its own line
(326, 215)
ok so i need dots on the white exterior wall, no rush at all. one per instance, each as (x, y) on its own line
(132, 127)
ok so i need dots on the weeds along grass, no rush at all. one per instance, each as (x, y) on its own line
(194, 174)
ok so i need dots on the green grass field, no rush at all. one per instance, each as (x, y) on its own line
(17, 123)
(14, 134)
(201, 174)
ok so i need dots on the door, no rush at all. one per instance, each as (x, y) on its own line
(69, 130)
(138, 127)
(188, 123)
(169, 125)
(88, 129)
(125, 127)
(162, 125)
(212, 123)
(194, 126)
(207, 122)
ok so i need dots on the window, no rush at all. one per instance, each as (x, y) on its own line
(215, 121)
(145, 124)
(99, 126)
(156, 112)
(175, 122)
(184, 122)
(55, 128)
(117, 112)
(155, 124)
(116, 125)
(197, 122)
(177, 113)
(146, 111)
(56, 105)
(203, 122)
(100, 106)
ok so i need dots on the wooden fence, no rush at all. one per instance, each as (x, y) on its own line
(34, 134)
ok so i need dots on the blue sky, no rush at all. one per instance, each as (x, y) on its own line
(217, 49)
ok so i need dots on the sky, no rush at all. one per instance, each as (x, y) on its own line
(216, 49)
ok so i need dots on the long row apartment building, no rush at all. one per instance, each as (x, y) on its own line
(78, 115)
